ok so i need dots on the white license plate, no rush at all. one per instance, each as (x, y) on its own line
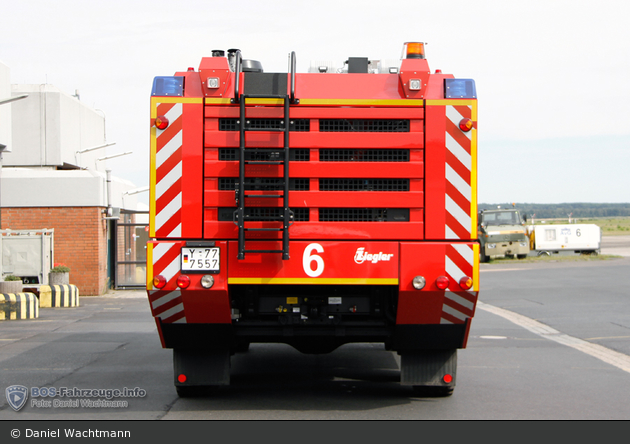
(201, 259)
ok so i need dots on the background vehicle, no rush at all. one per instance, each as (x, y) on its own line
(502, 232)
(580, 238)
(313, 209)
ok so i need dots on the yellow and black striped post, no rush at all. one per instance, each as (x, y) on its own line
(58, 296)
(18, 306)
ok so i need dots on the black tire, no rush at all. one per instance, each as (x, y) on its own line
(195, 391)
(431, 391)
(242, 347)
(522, 256)
(482, 256)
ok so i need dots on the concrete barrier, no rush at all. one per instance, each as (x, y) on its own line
(15, 306)
(58, 296)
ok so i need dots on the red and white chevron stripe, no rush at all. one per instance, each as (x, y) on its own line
(167, 305)
(168, 164)
(458, 174)
(458, 305)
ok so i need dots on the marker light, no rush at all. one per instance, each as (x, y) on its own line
(183, 281)
(161, 122)
(447, 378)
(465, 125)
(466, 283)
(442, 282)
(413, 50)
(207, 281)
(159, 281)
(212, 82)
(182, 378)
(419, 282)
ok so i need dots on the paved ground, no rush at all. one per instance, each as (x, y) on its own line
(617, 245)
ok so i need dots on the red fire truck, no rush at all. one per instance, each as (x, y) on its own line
(313, 209)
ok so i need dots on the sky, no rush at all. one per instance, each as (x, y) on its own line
(552, 76)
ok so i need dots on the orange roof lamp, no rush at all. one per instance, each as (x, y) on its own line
(413, 50)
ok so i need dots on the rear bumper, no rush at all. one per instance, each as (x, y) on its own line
(364, 291)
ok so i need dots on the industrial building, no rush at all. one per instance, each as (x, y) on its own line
(54, 175)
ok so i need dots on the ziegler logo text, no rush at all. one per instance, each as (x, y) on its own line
(361, 256)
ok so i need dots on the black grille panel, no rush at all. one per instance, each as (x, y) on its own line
(232, 124)
(231, 154)
(263, 183)
(364, 215)
(263, 214)
(376, 155)
(364, 125)
(364, 184)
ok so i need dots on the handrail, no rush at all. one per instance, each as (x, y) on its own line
(237, 73)
(293, 99)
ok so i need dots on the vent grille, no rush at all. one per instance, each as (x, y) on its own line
(264, 214)
(376, 155)
(233, 124)
(263, 183)
(364, 215)
(231, 154)
(364, 125)
(364, 184)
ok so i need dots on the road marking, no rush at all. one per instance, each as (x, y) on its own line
(607, 355)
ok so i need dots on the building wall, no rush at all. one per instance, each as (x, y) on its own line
(80, 240)
(50, 126)
(5, 110)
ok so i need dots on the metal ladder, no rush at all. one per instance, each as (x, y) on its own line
(241, 215)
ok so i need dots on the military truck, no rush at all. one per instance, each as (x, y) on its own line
(502, 232)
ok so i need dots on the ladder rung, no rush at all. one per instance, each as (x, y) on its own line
(268, 196)
(264, 219)
(264, 229)
(281, 130)
(264, 162)
(263, 251)
(265, 96)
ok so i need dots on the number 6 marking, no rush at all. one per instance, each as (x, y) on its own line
(307, 258)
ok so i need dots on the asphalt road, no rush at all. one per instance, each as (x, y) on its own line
(512, 369)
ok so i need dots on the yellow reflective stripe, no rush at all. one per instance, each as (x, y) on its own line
(322, 281)
(152, 177)
(149, 282)
(362, 102)
(158, 99)
(217, 101)
(475, 275)
(455, 102)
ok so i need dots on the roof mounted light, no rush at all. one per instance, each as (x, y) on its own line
(413, 50)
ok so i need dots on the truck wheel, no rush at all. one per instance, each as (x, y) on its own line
(423, 391)
(522, 256)
(482, 256)
(241, 347)
(193, 391)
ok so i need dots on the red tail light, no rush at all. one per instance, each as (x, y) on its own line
(466, 283)
(182, 378)
(159, 281)
(183, 281)
(161, 122)
(447, 378)
(465, 125)
(442, 282)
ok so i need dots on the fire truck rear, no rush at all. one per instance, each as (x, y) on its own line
(313, 209)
